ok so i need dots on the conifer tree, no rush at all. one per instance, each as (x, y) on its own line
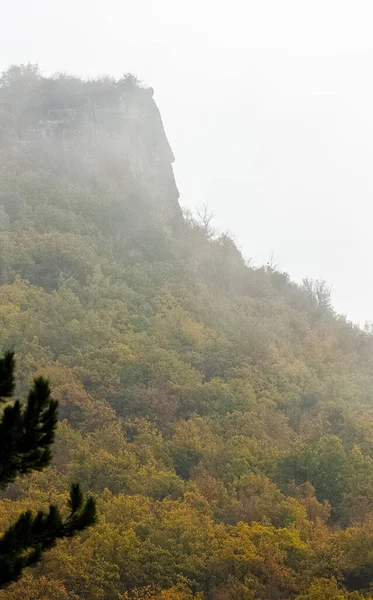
(26, 436)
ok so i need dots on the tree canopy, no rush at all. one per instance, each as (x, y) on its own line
(221, 414)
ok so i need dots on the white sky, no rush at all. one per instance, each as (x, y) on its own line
(268, 106)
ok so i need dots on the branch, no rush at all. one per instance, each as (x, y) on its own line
(26, 435)
(24, 542)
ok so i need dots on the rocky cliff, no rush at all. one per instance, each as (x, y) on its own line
(103, 127)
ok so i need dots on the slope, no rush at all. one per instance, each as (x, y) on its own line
(221, 414)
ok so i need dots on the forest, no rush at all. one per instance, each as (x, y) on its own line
(220, 414)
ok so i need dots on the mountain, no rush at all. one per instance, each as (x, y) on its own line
(221, 414)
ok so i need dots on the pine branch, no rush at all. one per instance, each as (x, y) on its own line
(27, 434)
(7, 383)
(24, 542)
(26, 437)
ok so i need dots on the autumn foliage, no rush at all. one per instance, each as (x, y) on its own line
(221, 414)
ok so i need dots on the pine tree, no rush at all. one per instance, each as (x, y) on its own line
(26, 436)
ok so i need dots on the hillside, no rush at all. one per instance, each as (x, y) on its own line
(222, 414)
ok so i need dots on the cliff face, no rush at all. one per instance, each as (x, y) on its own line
(92, 128)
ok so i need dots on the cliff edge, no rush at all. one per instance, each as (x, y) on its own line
(96, 128)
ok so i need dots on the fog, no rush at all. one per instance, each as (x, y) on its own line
(267, 106)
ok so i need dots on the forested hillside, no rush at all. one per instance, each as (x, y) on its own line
(221, 414)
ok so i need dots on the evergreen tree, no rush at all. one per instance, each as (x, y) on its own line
(26, 436)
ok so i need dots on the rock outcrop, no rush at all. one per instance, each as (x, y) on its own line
(100, 127)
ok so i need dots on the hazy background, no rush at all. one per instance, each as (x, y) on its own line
(268, 106)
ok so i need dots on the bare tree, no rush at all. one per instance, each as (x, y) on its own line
(319, 291)
(204, 218)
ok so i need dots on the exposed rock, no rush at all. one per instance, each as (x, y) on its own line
(95, 128)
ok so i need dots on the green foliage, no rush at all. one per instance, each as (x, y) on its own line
(26, 436)
(221, 413)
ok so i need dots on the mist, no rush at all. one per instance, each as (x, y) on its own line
(267, 107)
(186, 340)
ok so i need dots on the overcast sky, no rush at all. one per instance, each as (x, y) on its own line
(268, 106)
